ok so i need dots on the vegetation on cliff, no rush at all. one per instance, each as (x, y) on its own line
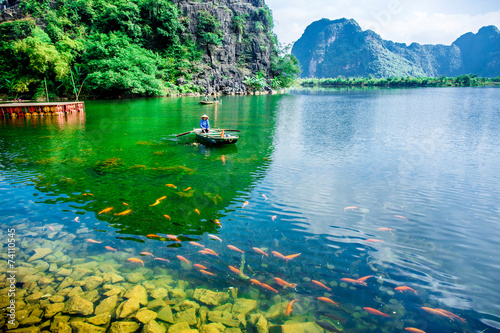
(109, 48)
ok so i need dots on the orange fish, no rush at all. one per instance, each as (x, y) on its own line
(105, 210)
(212, 252)
(199, 266)
(385, 229)
(264, 196)
(197, 211)
(156, 203)
(401, 217)
(321, 285)
(217, 222)
(162, 198)
(268, 287)
(181, 258)
(244, 204)
(187, 189)
(52, 228)
(136, 260)
(373, 240)
(274, 217)
(279, 255)
(124, 212)
(327, 300)
(167, 217)
(109, 248)
(223, 159)
(284, 284)
(350, 208)
(405, 288)
(161, 259)
(90, 240)
(364, 278)
(196, 244)
(451, 314)
(173, 237)
(234, 270)
(376, 312)
(88, 194)
(153, 236)
(147, 254)
(77, 219)
(414, 330)
(215, 237)
(204, 252)
(234, 248)
(125, 204)
(289, 307)
(353, 281)
(257, 282)
(171, 185)
(436, 312)
(259, 251)
(291, 256)
(206, 272)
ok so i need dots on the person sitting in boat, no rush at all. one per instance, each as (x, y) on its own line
(206, 98)
(204, 124)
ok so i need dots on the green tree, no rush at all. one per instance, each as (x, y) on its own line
(209, 31)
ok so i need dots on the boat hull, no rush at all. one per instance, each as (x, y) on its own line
(215, 139)
(209, 102)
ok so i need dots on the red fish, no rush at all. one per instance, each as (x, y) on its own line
(196, 244)
(199, 266)
(171, 185)
(436, 312)
(161, 259)
(197, 211)
(173, 237)
(234, 248)
(291, 256)
(215, 237)
(320, 284)
(147, 254)
(451, 314)
(274, 217)
(90, 240)
(135, 260)
(373, 240)
(401, 217)
(259, 251)
(162, 198)
(385, 229)
(52, 229)
(88, 194)
(167, 217)
(105, 210)
(352, 281)
(125, 204)
(257, 282)
(206, 272)
(153, 236)
(327, 300)
(181, 258)
(125, 212)
(234, 270)
(376, 312)
(289, 307)
(364, 278)
(350, 208)
(212, 252)
(413, 330)
(187, 189)
(268, 287)
(217, 222)
(405, 288)
(279, 255)
(284, 284)
(109, 248)
(244, 204)
(223, 159)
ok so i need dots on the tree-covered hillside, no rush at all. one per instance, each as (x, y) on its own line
(110, 48)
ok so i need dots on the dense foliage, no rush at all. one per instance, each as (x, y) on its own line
(459, 81)
(110, 48)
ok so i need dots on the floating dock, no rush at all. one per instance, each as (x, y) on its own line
(40, 109)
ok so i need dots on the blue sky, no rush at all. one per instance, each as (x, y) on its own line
(406, 21)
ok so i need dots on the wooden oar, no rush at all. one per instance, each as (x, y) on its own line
(185, 133)
(232, 130)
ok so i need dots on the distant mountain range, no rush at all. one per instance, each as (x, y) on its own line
(340, 47)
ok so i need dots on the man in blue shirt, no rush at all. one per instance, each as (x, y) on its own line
(204, 124)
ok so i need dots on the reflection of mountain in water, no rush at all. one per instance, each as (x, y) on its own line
(127, 165)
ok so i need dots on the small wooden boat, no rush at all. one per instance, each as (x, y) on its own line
(209, 102)
(215, 138)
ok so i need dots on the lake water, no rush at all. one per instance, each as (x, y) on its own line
(398, 184)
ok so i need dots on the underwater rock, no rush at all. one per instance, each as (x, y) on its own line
(106, 305)
(262, 326)
(31, 320)
(81, 327)
(159, 293)
(127, 308)
(134, 277)
(35, 297)
(224, 318)
(79, 272)
(123, 327)
(308, 327)
(101, 319)
(78, 305)
(212, 328)
(210, 297)
(52, 309)
(153, 327)
(92, 282)
(187, 304)
(165, 314)
(244, 306)
(276, 310)
(181, 328)
(64, 272)
(65, 283)
(42, 266)
(139, 293)
(31, 329)
(75, 291)
(187, 316)
(178, 293)
(232, 330)
(157, 303)
(145, 316)
(118, 290)
(113, 277)
(39, 254)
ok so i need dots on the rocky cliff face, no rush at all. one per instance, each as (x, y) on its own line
(332, 48)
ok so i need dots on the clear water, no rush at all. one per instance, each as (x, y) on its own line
(423, 162)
